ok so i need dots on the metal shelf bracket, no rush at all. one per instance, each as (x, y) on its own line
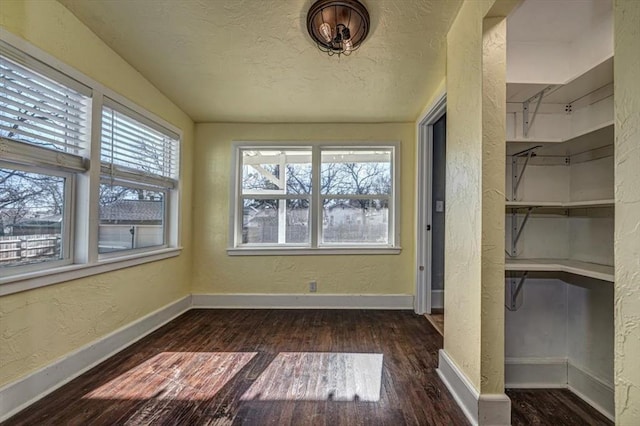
(516, 175)
(513, 297)
(516, 231)
(527, 122)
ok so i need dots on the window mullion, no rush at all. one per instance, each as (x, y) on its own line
(88, 194)
(315, 204)
(239, 199)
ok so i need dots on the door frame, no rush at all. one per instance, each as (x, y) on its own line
(424, 196)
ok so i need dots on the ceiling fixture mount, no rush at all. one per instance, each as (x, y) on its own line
(338, 26)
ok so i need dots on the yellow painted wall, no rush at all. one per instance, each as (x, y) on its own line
(463, 210)
(39, 326)
(627, 216)
(494, 98)
(215, 272)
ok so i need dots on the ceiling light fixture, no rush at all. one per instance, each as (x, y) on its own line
(338, 26)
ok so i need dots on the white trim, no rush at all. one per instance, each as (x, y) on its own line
(595, 392)
(303, 301)
(485, 409)
(17, 395)
(494, 409)
(424, 166)
(437, 299)
(560, 373)
(29, 281)
(84, 250)
(235, 245)
(306, 251)
(535, 373)
(463, 392)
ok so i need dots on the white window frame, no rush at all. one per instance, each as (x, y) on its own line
(139, 180)
(315, 246)
(166, 219)
(67, 224)
(83, 259)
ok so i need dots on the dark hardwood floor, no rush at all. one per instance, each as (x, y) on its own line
(552, 407)
(280, 367)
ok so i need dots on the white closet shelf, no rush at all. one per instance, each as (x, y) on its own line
(586, 269)
(560, 204)
(596, 137)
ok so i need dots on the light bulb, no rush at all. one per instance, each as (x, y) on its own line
(325, 31)
(347, 46)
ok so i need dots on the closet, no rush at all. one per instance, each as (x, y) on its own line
(559, 216)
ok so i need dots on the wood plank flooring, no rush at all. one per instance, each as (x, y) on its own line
(264, 367)
(280, 367)
(552, 407)
(437, 321)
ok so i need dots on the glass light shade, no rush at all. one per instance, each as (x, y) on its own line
(338, 26)
(347, 46)
(325, 31)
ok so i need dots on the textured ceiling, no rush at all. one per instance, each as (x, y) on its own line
(252, 60)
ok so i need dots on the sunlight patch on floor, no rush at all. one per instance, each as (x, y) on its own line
(319, 376)
(175, 376)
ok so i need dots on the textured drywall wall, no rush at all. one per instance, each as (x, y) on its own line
(463, 209)
(494, 98)
(216, 272)
(39, 326)
(627, 220)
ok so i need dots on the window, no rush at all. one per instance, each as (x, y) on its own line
(67, 144)
(320, 197)
(131, 218)
(34, 217)
(43, 135)
(139, 166)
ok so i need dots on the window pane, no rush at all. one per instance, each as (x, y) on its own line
(40, 111)
(355, 221)
(276, 172)
(130, 218)
(31, 217)
(275, 221)
(136, 147)
(346, 172)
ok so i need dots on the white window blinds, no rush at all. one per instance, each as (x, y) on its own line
(134, 148)
(40, 106)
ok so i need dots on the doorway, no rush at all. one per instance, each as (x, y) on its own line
(431, 209)
(437, 213)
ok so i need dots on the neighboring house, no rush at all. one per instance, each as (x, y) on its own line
(129, 224)
(37, 226)
(136, 212)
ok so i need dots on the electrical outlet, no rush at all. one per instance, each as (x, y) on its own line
(313, 286)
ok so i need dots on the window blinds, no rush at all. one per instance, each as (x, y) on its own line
(137, 150)
(42, 107)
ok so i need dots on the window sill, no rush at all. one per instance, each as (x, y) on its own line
(32, 280)
(306, 251)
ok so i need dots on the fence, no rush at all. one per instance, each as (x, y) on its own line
(126, 237)
(29, 248)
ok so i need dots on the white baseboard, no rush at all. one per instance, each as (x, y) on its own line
(547, 373)
(25, 391)
(304, 301)
(595, 392)
(437, 299)
(16, 396)
(494, 409)
(485, 409)
(534, 373)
